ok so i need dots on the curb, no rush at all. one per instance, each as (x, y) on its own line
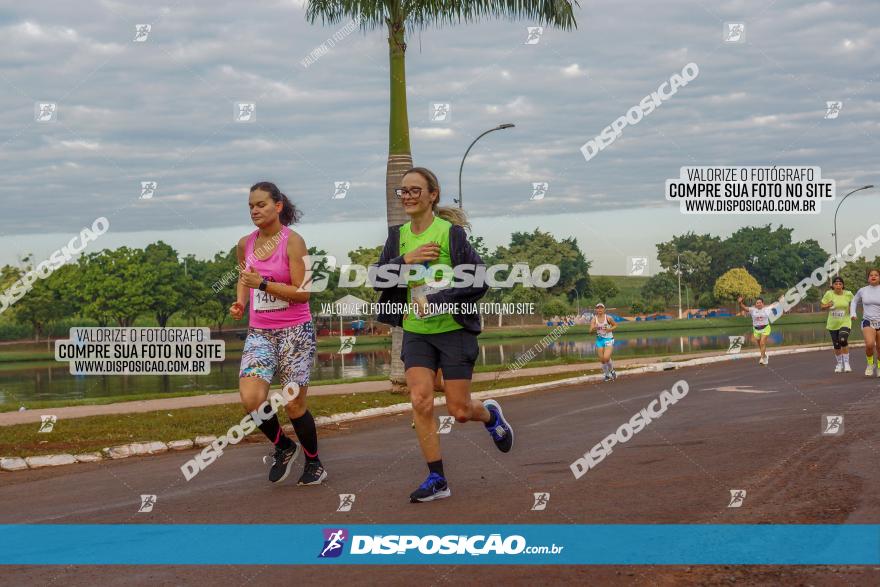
(122, 451)
(157, 447)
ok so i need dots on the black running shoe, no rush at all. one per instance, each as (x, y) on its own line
(313, 474)
(434, 487)
(501, 432)
(282, 460)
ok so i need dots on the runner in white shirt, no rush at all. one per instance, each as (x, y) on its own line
(761, 317)
(869, 296)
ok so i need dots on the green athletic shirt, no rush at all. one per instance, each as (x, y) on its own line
(438, 233)
(838, 315)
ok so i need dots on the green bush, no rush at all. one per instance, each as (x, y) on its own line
(13, 331)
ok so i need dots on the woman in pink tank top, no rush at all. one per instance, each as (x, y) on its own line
(281, 337)
(266, 310)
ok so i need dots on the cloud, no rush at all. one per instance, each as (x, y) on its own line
(573, 70)
(30, 34)
(519, 106)
(31, 31)
(163, 109)
(431, 132)
(80, 144)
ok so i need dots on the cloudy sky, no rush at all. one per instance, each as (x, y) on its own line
(163, 110)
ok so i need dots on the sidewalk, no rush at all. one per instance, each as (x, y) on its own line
(176, 403)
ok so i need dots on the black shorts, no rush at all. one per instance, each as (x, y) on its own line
(454, 352)
(840, 338)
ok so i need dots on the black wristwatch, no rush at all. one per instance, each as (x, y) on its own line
(263, 284)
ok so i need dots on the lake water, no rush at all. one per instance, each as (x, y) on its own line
(21, 382)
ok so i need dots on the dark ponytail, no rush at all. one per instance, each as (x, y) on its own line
(290, 214)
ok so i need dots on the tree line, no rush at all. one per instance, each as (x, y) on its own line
(118, 286)
(750, 262)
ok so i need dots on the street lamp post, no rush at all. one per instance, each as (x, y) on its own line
(864, 187)
(678, 270)
(461, 168)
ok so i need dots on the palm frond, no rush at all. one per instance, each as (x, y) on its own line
(370, 14)
(420, 14)
(554, 13)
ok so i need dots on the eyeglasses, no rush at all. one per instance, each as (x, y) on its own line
(411, 192)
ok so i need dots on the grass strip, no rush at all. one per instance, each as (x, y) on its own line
(93, 433)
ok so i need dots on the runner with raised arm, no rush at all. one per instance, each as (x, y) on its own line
(761, 317)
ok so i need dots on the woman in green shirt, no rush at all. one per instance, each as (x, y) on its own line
(839, 324)
(440, 322)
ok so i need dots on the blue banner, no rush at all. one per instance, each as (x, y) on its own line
(660, 544)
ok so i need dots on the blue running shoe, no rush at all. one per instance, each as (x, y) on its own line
(501, 431)
(434, 487)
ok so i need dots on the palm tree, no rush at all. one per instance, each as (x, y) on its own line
(399, 16)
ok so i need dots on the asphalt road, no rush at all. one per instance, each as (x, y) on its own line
(680, 469)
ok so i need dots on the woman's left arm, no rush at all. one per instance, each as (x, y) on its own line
(777, 308)
(461, 253)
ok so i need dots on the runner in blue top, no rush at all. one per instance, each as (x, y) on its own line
(604, 327)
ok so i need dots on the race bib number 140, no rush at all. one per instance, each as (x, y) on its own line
(265, 302)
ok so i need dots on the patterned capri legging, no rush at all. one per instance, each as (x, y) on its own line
(286, 351)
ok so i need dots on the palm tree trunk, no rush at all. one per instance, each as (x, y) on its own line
(399, 160)
(399, 154)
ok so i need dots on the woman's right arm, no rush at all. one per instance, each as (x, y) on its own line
(242, 297)
(385, 258)
(236, 310)
(241, 293)
(854, 304)
(426, 252)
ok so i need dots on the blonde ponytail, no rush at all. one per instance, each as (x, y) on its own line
(453, 215)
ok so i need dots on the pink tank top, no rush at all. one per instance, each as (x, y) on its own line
(266, 310)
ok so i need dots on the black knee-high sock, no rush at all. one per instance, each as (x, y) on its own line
(304, 426)
(272, 429)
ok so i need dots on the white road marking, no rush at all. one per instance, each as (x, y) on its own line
(741, 389)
